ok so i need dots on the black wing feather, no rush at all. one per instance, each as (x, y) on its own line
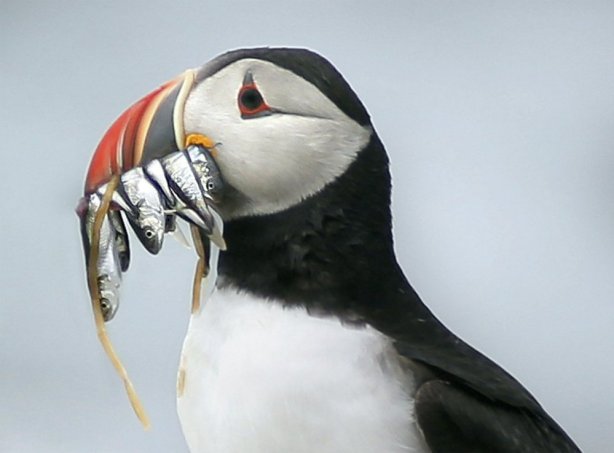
(457, 420)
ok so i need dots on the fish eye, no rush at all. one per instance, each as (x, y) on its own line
(149, 234)
(105, 306)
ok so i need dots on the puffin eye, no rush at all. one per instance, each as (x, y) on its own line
(251, 102)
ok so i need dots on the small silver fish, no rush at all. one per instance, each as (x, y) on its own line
(108, 266)
(206, 171)
(186, 187)
(155, 171)
(121, 239)
(146, 214)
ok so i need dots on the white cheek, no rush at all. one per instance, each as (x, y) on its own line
(281, 159)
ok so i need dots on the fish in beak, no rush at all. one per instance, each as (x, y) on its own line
(151, 134)
(150, 129)
(160, 173)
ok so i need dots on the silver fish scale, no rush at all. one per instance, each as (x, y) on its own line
(142, 193)
(108, 268)
(146, 208)
(121, 239)
(202, 168)
(179, 169)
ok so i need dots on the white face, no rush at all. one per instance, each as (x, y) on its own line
(278, 159)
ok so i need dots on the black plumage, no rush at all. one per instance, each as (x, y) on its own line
(333, 253)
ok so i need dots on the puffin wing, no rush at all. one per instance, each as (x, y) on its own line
(457, 419)
(464, 402)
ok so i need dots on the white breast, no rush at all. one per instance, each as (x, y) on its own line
(259, 378)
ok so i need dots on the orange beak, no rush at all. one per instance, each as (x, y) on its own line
(149, 129)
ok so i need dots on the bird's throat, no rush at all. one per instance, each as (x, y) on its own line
(329, 252)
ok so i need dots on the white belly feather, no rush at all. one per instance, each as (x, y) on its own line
(260, 378)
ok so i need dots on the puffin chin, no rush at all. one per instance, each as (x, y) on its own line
(233, 204)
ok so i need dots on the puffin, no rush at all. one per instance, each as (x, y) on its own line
(313, 339)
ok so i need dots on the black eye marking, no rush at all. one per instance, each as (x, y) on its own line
(251, 99)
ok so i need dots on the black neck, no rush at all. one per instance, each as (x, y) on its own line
(333, 252)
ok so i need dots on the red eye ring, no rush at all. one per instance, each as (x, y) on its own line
(251, 102)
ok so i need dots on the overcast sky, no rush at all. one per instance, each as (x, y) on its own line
(499, 121)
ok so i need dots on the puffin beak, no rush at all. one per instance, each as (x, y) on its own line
(149, 129)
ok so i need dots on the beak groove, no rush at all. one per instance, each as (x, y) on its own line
(149, 129)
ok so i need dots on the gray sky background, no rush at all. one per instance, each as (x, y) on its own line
(499, 121)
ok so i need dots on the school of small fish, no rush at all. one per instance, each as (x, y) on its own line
(183, 183)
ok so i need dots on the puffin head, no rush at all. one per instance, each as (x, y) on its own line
(285, 124)
(306, 175)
